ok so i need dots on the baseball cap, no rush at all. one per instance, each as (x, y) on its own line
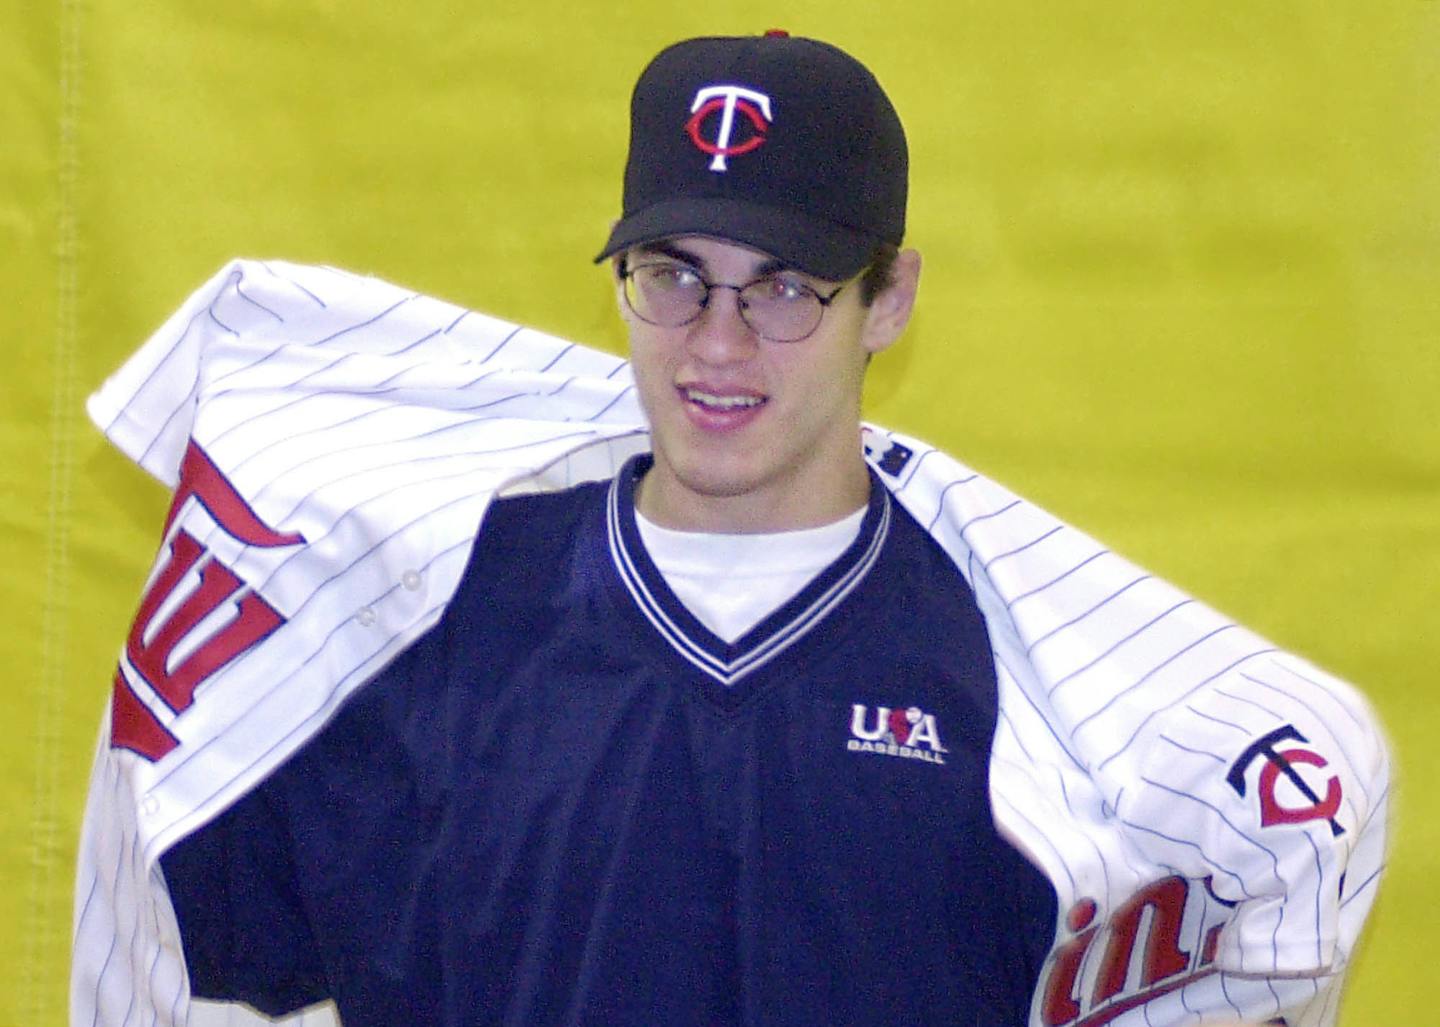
(784, 144)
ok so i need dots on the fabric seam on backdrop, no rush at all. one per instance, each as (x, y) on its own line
(43, 914)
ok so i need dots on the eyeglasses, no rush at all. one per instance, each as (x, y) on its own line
(778, 307)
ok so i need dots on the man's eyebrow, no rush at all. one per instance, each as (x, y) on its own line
(666, 249)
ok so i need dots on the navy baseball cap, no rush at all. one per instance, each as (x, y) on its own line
(783, 144)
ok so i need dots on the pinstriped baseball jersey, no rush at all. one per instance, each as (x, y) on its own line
(1209, 810)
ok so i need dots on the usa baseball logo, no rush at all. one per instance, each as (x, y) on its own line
(910, 733)
(197, 615)
(1282, 764)
(755, 106)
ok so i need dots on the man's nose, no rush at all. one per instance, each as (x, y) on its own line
(720, 334)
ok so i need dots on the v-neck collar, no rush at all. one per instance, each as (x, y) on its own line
(728, 663)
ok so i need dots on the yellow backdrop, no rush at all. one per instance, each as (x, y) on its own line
(1181, 287)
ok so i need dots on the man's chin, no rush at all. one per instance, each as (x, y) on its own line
(703, 494)
(719, 483)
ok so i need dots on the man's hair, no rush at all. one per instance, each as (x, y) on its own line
(880, 274)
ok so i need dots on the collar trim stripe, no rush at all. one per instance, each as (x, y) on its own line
(729, 671)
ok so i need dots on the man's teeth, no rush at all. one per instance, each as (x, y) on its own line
(709, 399)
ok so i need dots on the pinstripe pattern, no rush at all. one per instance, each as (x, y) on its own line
(378, 423)
(1119, 718)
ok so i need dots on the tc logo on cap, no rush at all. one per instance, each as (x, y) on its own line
(727, 100)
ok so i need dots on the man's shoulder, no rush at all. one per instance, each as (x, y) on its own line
(541, 518)
(528, 537)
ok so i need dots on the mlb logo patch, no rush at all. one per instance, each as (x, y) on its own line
(885, 454)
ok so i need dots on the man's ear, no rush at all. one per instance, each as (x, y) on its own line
(627, 316)
(616, 262)
(889, 312)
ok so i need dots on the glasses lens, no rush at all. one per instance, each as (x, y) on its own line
(781, 309)
(668, 295)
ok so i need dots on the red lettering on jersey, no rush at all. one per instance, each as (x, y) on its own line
(134, 727)
(254, 619)
(1088, 980)
(1211, 947)
(200, 477)
(1059, 1004)
(152, 645)
(1162, 956)
(1117, 1009)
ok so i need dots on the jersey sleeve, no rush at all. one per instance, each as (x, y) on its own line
(240, 910)
(1211, 809)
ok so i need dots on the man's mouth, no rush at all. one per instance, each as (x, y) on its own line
(721, 402)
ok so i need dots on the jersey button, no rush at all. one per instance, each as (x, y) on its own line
(366, 616)
(150, 806)
(411, 580)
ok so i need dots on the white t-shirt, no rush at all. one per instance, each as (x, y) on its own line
(733, 582)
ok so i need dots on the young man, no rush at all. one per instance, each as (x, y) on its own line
(614, 790)
(723, 737)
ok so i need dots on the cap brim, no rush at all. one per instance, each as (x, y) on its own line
(815, 246)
